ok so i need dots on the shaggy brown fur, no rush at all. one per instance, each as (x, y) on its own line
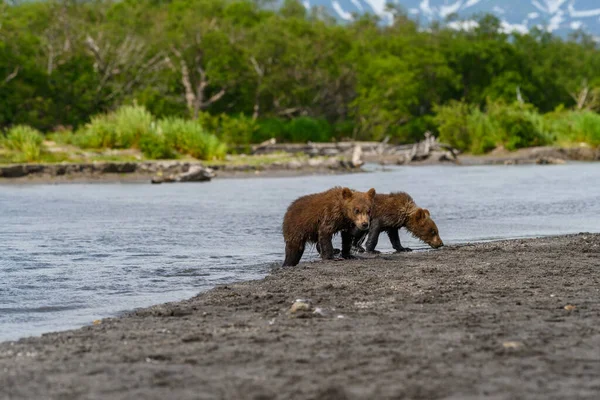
(392, 212)
(315, 218)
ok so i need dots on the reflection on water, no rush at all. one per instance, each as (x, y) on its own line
(70, 254)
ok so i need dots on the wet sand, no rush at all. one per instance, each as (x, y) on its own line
(500, 320)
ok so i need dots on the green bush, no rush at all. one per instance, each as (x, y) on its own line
(453, 124)
(519, 125)
(122, 129)
(304, 129)
(25, 140)
(270, 128)
(188, 137)
(514, 126)
(570, 127)
(414, 129)
(155, 146)
(343, 130)
(484, 132)
(237, 130)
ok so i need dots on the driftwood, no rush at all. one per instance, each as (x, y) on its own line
(428, 149)
(195, 173)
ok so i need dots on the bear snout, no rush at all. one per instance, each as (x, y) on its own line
(365, 225)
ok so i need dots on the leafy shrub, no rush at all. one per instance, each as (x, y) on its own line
(343, 129)
(483, 131)
(571, 127)
(188, 137)
(519, 125)
(270, 128)
(25, 140)
(119, 130)
(453, 124)
(238, 130)
(155, 146)
(514, 126)
(414, 129)
(304, 129)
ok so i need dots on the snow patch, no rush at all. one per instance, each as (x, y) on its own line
(506, 27)
(582, 14)
(426, 8)
(340, 11)
(555, 21)
(576, 25)
(450, 9)
(554, 5)
(471, 3)
(463, 25)
(358, 5)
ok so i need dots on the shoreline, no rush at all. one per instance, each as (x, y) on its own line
(144, 171)
(501, 319)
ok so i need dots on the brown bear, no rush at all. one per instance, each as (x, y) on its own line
(392, 212)
(315, 218)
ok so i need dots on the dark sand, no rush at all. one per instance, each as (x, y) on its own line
(469, 322)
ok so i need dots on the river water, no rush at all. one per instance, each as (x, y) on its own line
(73, 253)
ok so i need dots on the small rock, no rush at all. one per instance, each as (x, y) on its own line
(549, 161)
(97, 322)
(512, 345)
(319, 312)
(315, 162)
(301, 305)
(294, 164)
(570, 307)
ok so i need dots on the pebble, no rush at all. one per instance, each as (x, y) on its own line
(512, 345)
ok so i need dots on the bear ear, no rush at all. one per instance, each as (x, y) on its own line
(346, 193)
(371, 193)
(420, 214)
(427, 212)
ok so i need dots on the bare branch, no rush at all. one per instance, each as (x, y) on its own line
(11, 76)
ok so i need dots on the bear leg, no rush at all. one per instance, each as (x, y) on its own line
(347, 245)
(293, 254)
(326, 246)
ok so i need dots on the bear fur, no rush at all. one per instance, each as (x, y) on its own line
(392, 212)
(315, 218)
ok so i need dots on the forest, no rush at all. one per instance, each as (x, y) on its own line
(200, 78)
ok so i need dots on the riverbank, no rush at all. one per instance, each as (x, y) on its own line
(509, 319)
(145, 171)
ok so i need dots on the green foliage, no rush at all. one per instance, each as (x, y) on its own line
(135, 127)
(519, 125)
(574, 127)
(25, 140)
(121, 129)
(270, 128)
(189, 137)
(303, 75)
(155, 146)
(513, 126)
(305, 129)
(453, 124)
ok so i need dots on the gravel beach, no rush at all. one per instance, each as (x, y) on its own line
(500, 320)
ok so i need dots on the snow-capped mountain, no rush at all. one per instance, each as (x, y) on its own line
(557, 16)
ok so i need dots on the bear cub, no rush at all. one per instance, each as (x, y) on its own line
(315, 218)
(392, 212)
